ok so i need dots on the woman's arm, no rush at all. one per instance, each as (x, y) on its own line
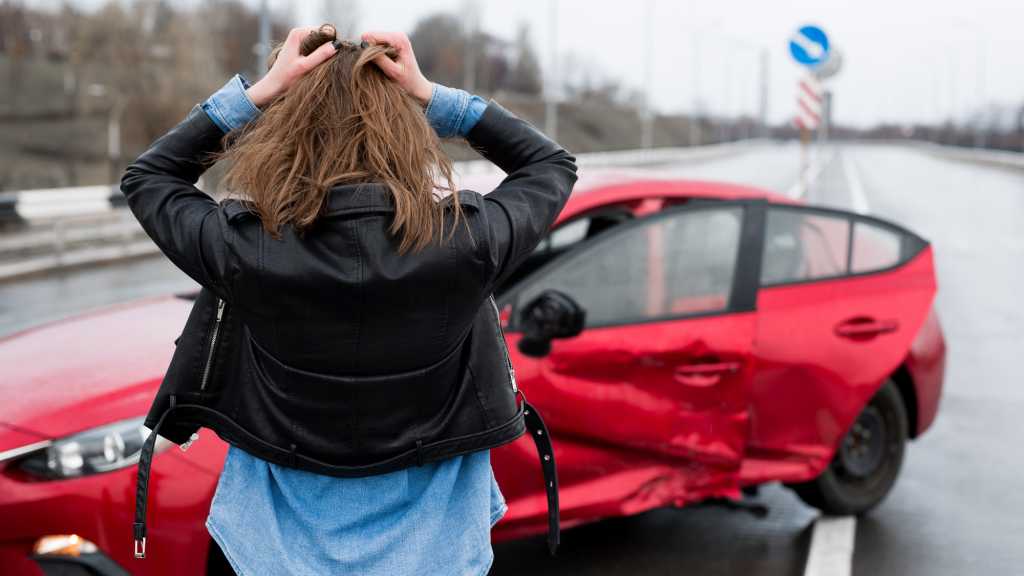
(159, 187)
(183, 221)
(450, 112)
(520, 211)
(540, 176)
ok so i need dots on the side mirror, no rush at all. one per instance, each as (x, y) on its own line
(550, 315)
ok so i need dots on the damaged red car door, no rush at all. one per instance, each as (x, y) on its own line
(842, 297)
(648, 405)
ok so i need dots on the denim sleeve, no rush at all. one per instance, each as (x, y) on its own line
(230, 107)
(452, 112)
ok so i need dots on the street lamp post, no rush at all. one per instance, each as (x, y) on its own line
(470, 24)
(761, 53)
(647, 115)
(263, 47)
(761, 105)
(762, 112)
(980, 50)
(1020, 127)
(114, 138)
(695, 114)
(550, 91)
(114, 113)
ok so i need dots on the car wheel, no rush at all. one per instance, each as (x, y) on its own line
(867, 463)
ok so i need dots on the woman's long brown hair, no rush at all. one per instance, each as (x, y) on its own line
(344, 122)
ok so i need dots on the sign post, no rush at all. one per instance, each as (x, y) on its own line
(810, 47)
(809, 102)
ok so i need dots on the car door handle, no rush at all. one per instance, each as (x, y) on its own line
(706, 374)
(865, 328)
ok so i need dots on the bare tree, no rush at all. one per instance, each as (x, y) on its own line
(525, 75)
(439, 43)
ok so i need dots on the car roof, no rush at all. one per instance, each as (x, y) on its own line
(596, 189)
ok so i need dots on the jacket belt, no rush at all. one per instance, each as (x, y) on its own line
(539, 432)
(225, 426)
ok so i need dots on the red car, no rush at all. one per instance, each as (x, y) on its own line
(730, 338)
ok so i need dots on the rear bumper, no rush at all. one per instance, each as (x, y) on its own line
(926, 364)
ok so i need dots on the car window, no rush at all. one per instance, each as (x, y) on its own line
(581, 228)
(673, 265)
(803, 245)
(874, 247)
(565, 237)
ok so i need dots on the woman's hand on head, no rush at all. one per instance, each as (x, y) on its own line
(404, 70)
(289, 67)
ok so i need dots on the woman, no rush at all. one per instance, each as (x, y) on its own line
(345, 343)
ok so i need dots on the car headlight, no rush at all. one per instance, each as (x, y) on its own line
(102, 449)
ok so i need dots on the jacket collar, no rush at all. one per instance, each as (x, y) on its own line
(358, 198)
(342, 199)
(375, 197)
(368, 198)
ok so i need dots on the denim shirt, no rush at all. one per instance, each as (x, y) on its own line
(450, 112)
(432, 519)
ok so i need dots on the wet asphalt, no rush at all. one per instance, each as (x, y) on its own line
(958, 507)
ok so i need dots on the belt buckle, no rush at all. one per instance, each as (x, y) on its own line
(140, 551)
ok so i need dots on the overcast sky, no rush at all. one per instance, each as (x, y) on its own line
(904, 60)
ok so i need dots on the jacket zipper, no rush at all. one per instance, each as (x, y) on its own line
(504, 346)
(214, 332)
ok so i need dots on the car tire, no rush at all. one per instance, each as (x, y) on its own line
(867, 462)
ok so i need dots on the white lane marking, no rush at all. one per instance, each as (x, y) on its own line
(831, 547)
(860, 200)
(814, 169)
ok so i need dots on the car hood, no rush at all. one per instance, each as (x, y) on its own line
(88, 370)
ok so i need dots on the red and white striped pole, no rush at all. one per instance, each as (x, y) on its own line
(808, 118)
(808, 103)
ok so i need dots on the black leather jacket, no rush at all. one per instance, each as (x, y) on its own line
(331, 352)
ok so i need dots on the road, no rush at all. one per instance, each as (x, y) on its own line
(957, 507)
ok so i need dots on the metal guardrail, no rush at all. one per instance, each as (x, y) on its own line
(984, 156)
(8, 210)
(999, 158)
(72, 241)
(28, 205)
(634, 158)
(62, 234)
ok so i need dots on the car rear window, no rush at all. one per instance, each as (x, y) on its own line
(806, 243)
(874, 248)
(803, 246)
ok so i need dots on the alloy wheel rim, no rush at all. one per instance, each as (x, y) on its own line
(863, 449)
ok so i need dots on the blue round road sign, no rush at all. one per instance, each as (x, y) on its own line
(809, 46)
